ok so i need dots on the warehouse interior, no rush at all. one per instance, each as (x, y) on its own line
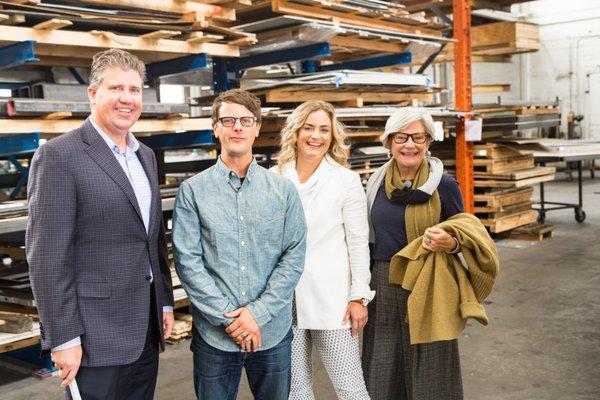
(512, 86)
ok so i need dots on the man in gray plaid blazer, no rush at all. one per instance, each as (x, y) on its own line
(95, 243)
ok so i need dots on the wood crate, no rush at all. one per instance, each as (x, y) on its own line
(500, 38)
(535, 232)
(505, 223)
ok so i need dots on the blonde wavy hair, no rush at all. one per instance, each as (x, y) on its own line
(339, 149)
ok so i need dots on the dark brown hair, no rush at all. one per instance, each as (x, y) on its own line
(237, 96)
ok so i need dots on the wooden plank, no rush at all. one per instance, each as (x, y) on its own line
(285, 7)
(57, 127)
(19, 344)
(243, 41)
(84, 44)
(296, 96)
(535, 232)
(161, 34)
(58, 115)
(370, 45)
(15, 323)
(518, 175)
(491, 183)
(15, 253)
(15, 19)
(503, 224)
(202, 37)
(493, 150)
(53, 23)
(491, 88)
(510, 209)
(498, 200)
(496, 166)
(169, 6)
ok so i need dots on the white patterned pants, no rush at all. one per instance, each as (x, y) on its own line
(339, 352)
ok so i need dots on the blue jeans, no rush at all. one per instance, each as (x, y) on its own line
(217, 373)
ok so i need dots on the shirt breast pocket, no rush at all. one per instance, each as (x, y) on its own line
(269, 230)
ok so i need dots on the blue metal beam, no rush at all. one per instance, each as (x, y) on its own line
(178, 140)
(179, 65)
(13, 85)
(223, 76)
(281, 56)
(25, 143)
(372, 62)
(17, 54)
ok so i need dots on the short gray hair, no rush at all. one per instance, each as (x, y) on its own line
(114, 58)
(402, 117)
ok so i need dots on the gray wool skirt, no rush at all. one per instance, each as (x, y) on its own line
(393, 368)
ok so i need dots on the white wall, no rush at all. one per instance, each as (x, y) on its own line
(567, 65)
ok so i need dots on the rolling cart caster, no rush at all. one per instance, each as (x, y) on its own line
(579, 215)
(541, 217)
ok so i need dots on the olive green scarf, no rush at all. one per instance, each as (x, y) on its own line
(422, 209)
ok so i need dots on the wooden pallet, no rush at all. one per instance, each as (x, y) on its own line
(500, 38)
(504, 211)
(535, 232)
(499, 183)
(321, 10)
(517, 175)
(498, 200)
(502, 224)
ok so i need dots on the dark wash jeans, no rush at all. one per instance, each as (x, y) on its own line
(217, 373)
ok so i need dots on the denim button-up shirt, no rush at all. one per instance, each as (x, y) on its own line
(239, 244)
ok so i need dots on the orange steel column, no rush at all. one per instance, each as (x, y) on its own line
(463, 98)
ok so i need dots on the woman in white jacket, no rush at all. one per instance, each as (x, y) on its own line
(331, 297)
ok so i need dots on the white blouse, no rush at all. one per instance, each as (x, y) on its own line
(337, 252)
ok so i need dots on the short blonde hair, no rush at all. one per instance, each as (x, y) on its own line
(404, 116)
(114, 58)
(339, 149)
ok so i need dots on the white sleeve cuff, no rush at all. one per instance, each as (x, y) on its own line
(68, 345)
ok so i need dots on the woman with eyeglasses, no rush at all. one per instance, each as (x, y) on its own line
(406, 197)
(332, 294)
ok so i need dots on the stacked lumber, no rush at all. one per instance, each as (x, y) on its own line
(15, 323)
(504, 180)
(499, 38)
(15, 288)
(182, 328)
(503, 186)
(502, 120)
(354, 29)
(155, 30)
(357, 87)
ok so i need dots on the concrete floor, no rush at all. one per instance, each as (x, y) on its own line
(543, 341)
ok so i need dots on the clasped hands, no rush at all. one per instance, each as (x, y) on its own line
(436, 239)
(244, 330)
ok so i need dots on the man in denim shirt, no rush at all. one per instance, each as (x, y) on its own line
(239, 238)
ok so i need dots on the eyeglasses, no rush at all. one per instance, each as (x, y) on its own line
(230, 121)
(400, 138)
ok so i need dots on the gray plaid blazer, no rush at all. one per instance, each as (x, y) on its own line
(88, 250)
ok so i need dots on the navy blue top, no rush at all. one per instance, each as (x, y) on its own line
(388, 218)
